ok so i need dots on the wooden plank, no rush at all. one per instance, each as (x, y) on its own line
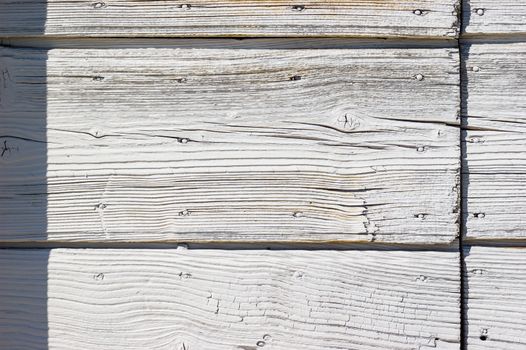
(496, 285)
(215, 299)
(206, 18)
(496, 140)
(487, 17)
(221, 144)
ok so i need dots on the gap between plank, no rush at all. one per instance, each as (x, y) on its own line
(230, 43)
(231, 246)
(463, 185)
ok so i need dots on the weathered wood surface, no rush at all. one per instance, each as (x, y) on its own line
(490, 17)
(214, 299)
(496, 290)
(496, 140)
(407, 18)
(220, 144)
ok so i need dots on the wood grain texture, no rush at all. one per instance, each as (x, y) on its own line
(214, 299)
(200, 18)
(220, 144)
(496, 286)
(496, 140)
(487, 17)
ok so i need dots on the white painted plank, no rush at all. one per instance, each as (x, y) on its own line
(205, 18)
(496, 286)
(487, 17)
(214, 299)
(496, 140)
(221, 144)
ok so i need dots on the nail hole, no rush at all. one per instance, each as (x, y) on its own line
(186, 6)
(100, 206)
(480, 12)
(260, 343)
(98, 277)
(182, 246)
(421, 216)
(183, 140)
(475, 140)
(422, 278)
(298, 8)
(185, 212)
(479, 215)
(185, 275)
(295, 77)
(418, 12)
(421, 149)
(98, 5)
(267, 337)
(181, 80)
(475, 69)
(419, 77)
(98, 78)
(297, 214)
(483, 337)
(296, 274)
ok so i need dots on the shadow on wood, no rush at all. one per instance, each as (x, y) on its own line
(23, 185)
(23, 299)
